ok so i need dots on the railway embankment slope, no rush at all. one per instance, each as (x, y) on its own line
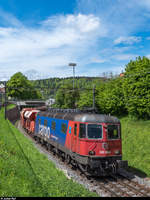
(24, 171)
(136, 145)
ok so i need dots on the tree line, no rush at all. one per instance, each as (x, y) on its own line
(128, 94)
(122, 95)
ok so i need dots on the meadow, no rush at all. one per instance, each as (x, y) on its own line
(25, 172)
(136, 144)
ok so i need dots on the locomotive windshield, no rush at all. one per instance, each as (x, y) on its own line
(94, 131)
(113, 132)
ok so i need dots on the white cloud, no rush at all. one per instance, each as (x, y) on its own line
(97, 60)
(120, 17)
(126, 22)
(87, 38)
(148, 56)
(128, 57)
(56, 42)
(144, 3)
(127, 40)
(7, 19)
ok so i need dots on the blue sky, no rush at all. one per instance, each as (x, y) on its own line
(40, 37)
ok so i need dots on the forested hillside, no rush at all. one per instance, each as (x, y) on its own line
(50, 86)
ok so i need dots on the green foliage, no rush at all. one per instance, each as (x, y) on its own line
(25, 172)
(110, 97)
(136, 87)
(135, 144)
(118, 96)
(11, 106)
(50, 86)
(86, 99)
(21, 88)
(66, 97)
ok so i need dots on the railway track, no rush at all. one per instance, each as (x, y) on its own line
(122, 187)
(119, 185)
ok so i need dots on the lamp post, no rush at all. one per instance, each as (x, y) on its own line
(73, 66)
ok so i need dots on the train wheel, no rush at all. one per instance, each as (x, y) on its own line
(47, 146)
(84, 170)
(68, 159)
(63, 157)
(39, 140)
(114, 168)
(35, 138)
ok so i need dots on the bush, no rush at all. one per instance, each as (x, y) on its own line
(136, 87)
(110, 98)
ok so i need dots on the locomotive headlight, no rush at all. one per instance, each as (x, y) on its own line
(92, 153)
(105, 146)
(117, 152)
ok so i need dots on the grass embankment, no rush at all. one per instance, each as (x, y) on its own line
(10, 106)
(136, 143)
(24, 171)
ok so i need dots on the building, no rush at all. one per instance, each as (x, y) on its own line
(2, 88)
(121, 75)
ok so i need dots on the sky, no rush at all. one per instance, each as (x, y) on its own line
(41, 37)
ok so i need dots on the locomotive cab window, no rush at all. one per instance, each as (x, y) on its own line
(82, 133)
(113, 132)
(64, 128)
(94, 131)
(75, 129)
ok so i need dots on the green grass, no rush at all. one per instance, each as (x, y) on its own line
(26, 172)
(10, 106)
(136, 143)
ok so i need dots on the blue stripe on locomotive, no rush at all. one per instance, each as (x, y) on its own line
(55, 135)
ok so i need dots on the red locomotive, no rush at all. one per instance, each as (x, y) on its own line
(87, 140)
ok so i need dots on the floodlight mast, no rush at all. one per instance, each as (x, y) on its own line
(73, 66)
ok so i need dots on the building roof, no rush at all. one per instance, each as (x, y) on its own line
(121, 75)
(2, 90)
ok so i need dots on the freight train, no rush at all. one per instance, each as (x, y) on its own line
(89, 141)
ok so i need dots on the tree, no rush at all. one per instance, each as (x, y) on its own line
(21, 88)
(110, 97)
(86, 99)
(66, 97)
(136, 87)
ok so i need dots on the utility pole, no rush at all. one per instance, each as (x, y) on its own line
(93, 97)
(5, 103)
